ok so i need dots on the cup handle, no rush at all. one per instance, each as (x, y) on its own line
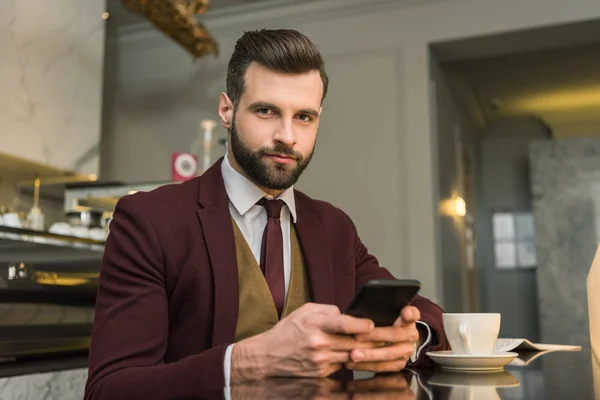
(464, 332)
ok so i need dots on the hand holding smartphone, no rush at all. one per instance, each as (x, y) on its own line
(382, 300)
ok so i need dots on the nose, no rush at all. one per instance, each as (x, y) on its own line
(285, 134)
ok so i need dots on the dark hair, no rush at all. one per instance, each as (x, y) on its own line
(280, 50)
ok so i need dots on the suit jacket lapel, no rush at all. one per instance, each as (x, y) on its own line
(217, 229)
(316, 255)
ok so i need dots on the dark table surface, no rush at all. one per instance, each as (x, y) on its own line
(555, 375)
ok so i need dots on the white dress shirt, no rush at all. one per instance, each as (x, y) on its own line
(251, 218)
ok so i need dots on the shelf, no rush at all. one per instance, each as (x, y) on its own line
(29, 235)
(104, 195)
(26, 245)
(25, 171)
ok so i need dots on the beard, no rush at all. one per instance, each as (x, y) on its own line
(261, 169)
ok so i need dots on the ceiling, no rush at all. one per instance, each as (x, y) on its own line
(552, 74)
(121, 17)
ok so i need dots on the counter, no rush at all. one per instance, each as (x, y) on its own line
(48, 286)
(49, 378)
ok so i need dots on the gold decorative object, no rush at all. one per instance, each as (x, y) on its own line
(178, 20)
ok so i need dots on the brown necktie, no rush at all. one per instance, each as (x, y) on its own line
(271, 254)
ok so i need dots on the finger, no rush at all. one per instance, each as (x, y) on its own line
(314, 308)
(328, 309)
(334, 368)
(384, 366)
(392, 334)
(348, 343)
(345, 324)
(410, 314)
(338, 357)
(319, 370)
(398, 351)
(329, 369)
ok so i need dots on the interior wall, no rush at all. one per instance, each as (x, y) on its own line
(456, 140)
(155, 90)
(51, 79)
(503, 185)
(565, 177)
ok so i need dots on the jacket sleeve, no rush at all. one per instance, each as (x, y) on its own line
(367, 268)
(131, 322)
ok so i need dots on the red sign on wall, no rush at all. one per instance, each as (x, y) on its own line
(184, 166)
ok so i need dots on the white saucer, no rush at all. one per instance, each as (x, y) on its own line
(470, 362)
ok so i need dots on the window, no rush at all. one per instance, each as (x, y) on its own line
(514, 240)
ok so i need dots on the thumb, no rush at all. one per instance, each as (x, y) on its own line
(410, 314)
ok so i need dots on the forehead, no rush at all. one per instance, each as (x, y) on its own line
(282, 89)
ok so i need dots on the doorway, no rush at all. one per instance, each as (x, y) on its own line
(493, 97)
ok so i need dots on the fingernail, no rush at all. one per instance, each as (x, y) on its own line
(359, 355)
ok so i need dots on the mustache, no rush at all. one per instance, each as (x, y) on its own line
(282, 149)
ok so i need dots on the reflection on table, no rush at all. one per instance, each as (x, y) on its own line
(394, 386)
(555, 375)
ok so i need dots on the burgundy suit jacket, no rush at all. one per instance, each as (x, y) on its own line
(167, 302)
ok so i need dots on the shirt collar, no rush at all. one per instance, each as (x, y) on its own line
(243, 193)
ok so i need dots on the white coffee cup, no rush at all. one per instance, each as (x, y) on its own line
(474, 334)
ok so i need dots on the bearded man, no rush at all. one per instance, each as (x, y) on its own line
(235, 276)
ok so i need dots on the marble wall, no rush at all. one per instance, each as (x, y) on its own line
(565, 175)
(63, 385)
(51, 76)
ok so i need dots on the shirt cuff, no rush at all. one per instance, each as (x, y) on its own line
(227, 371)
(417, 352)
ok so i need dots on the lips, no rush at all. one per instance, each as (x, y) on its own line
(281, 158)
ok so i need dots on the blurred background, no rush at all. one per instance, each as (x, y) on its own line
(465, 135)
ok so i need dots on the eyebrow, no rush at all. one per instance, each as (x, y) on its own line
(262, 104)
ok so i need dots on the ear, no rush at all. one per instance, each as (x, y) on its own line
(225, 111)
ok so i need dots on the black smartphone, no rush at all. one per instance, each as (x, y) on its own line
(382, 300)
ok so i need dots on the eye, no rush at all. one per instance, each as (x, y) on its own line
(305, 117)
(264, 111)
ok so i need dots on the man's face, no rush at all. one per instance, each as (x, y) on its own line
(274, 128)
